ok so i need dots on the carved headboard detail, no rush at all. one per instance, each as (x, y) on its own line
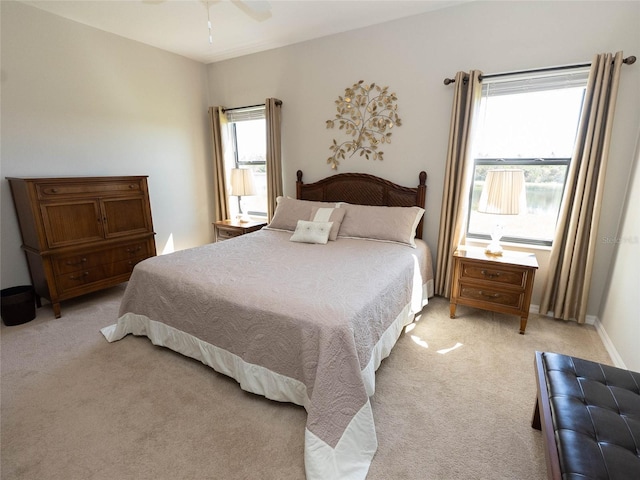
(364, 189)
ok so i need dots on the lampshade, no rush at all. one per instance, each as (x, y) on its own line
(503, 192)
(242, 183)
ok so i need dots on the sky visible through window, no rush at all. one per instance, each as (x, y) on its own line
(252, 141)
(529, 125)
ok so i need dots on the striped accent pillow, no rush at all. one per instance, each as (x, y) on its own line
(325, 214)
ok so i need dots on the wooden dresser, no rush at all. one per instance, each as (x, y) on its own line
(497, 283)
(82, 234)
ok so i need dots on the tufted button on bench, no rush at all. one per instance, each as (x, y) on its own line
(589, 414)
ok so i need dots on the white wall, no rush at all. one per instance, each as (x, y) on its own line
(77, 101)
(619, 315)
(413, 56)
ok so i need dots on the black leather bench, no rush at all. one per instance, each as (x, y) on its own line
(589, 414)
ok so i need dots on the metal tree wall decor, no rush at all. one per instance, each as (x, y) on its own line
(366, 113)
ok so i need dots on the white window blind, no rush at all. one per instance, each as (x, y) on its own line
(535, 82)
(245, 114)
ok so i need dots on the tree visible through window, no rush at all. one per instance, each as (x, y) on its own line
(527, 123)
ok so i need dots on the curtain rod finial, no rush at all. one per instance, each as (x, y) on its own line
(448, 81)
(630, 60)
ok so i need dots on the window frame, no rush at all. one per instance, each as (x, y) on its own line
(518, 83)
(234, 117)
(516, 162)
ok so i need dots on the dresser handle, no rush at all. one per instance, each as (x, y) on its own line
(490, 275)
(134, 250)
(489, 295)
(83, 260)
(78, 277)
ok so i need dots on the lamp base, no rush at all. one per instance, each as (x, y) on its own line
(243, 218)
(494, 248)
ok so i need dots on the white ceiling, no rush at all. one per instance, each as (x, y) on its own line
(239, 27)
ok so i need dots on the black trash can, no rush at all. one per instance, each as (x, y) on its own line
(18, 305)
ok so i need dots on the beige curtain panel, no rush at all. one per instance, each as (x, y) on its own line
(571, 261)
(458, 173)
(273, 115)
(218, 126)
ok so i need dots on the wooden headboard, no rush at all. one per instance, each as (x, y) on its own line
(364, 189)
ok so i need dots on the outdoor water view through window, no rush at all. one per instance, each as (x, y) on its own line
(530, 128)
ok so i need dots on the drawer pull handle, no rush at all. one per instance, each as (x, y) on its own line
(490, 275)
(78, 277)
(54, 190)
(82, 260)
(134, 250)
(489, 295)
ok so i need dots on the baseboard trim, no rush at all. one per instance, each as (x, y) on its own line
(602, 333)
(608, 344)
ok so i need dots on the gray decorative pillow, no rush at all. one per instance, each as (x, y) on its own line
(290, 210)
(328, 214)
(311, 232)
(387, 224)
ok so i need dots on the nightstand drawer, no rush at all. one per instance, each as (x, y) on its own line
(227, 229)
(488, 295)
(225, 233)
(488, 273)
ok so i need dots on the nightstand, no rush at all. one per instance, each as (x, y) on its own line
(497, 283)
(226, 229)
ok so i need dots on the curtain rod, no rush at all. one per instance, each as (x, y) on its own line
(629, 61)
(278, 102)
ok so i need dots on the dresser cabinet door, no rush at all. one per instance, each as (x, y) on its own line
(79, 221)
(72, 222)
(125, 216)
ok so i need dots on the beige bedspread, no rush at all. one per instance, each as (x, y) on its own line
(295, 322)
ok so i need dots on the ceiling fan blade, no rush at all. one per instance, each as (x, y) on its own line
(259, 10)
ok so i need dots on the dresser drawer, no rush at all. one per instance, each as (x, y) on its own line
(488, 273)
(74, 263)
(99, 188)
(80, 278)
(492, 296)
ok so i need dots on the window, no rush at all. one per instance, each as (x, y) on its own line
(248, 139)
(527, 122)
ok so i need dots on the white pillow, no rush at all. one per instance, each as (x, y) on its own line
(328, 214)
(311, 232)
(387, 224)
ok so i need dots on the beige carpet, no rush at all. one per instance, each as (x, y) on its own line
(453, 401)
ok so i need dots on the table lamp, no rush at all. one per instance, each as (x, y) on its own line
(242, 185)
(503, 194)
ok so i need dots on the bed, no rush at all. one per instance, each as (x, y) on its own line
(302, 311)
